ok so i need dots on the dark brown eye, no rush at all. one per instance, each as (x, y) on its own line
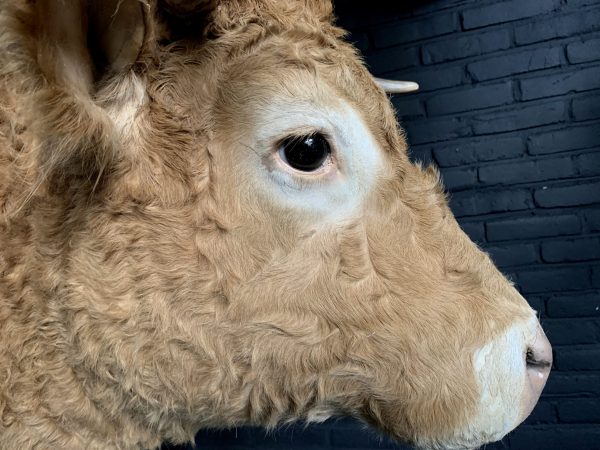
(305, 153)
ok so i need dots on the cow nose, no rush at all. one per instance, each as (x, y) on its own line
(538, 360)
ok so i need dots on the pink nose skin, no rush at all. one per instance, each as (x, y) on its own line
(539, 362)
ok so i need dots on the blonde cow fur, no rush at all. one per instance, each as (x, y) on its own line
(163, 268)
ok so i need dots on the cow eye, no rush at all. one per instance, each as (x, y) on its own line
(305, 153)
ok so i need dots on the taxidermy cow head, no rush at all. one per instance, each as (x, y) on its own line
(209, 219)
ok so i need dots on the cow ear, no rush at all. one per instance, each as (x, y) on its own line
(79, 44)
(80, 41)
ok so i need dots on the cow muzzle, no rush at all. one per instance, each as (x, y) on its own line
(538, 361)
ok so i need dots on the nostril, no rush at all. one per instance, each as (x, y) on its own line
(535, 360)
(539, 352)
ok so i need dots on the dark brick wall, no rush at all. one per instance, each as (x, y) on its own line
(509, 110)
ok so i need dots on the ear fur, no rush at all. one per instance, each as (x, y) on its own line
(76, 44)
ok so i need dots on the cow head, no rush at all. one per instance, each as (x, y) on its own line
(231, 232)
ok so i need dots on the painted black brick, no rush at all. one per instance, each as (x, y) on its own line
(573, 331)
(544, 412)
(408, 107)
(475, 230)
(571, 138)
(476, 203)
(586, 108)
(584, 410)
(479, 150)
(505, 11)
(472, 98)
(391, 59)
(586, 51)
(596, 276)
(432, 130)
(582, 249)
(581, 194)
(574, 305)
(554, 279)
(528, 171)
(588, 164)
(465, 46)
(573, 383)
(551, 27)
(556, 438)
(432, 79)
(513, 255)
(532, 227)
(401, 33)
(585, 358)
(592, 219)
(514, 63)
(561, 83)
(459, 178)
(519, 118)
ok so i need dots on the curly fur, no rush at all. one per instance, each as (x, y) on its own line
(142, 297)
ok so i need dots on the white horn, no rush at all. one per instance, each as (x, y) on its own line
(395, 86)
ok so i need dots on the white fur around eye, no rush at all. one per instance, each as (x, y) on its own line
(338, 191)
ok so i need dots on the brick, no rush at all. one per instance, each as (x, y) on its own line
(312, 437)
(422, 132)
(403, 32)
(527, 171)
(574, 305)
(587, 164)
(572, 331)
(532, 227)
(360, 40)
(538, 304)
(500, 12)
(580, 52)
(392, 59)
(471, 98)
(421, 154)
(513, 255)
(510, 64)
(579, 3)
(596, 276)
(584, 410)
(214, 438)
(464, 46)
(430, 80)
(572, 138)
(559, 279)
(573, 384)
(519, 118)
(556, 437)
(459, 178)
(408, 106)
(581, 194)
(558, 27)
(358, 437)
(544, 412)
(561, 83)
(584, 249)
(476, 203)
(474, 230)
(479, 150)
(587, 107)
(577, 358)
(592, 219)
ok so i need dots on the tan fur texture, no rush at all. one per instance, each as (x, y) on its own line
(146, 291)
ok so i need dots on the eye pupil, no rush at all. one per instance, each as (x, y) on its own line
(306, 153)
